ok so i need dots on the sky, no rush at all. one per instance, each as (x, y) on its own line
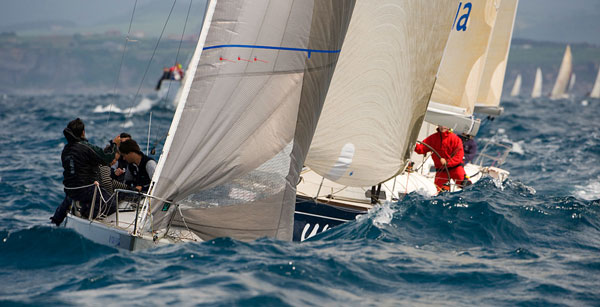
(564, 21)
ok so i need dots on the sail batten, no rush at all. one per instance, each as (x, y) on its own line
(380, 89)
(242, 130)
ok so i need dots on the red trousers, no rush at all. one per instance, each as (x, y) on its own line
(441, 177)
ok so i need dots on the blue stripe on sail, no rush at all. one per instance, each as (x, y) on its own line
(309, 51)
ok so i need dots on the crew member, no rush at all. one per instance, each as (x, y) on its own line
(450, 149)
(81, 161)
(141, 166)
(469, 147)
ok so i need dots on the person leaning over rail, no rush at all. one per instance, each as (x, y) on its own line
(81, 161)
(450, 149)
(141, 166)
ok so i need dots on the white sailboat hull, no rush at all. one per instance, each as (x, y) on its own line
(103, 234)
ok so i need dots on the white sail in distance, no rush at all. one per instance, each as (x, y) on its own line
(516, 90)
(537, 84)
(492, 81)
(595, 93)
(244, 123)
(571, 83)
(564, 74)
(380, 89)
(461, 70)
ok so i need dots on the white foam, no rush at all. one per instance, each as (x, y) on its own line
(382, 215)
(590, 191)
(517, 148)
(584, 103)
(127, 124)
(144, 106)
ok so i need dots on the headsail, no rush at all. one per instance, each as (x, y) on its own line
(380, 89)
(596, 89)
(490, 88)
(516, 90)
(537, 84)
(564, 74)
(461, 71)
(242, 128)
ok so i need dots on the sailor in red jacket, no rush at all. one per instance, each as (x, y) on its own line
(449, 146)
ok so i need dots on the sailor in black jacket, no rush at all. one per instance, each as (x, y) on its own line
(141, 166)
(81, 161)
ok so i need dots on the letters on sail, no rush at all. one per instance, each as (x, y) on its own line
(461, 71)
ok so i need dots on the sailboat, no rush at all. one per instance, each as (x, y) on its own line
(564, 74)
(595, 93)
(373, 111)
(352, 164)
(241, 129)
(537, 84)
(571, 84)
(516, 90)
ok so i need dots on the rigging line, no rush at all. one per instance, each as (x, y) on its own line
(121, 64)
(179, 49)
(152, 57)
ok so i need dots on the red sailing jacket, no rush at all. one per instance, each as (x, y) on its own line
(447, 144)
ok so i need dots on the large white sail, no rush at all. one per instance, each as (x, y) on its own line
(464, 59)
(564, 74)
(380, 89)
(242, 128)
(490, 88)
(537, 84)
(596, 89)
(516, 90)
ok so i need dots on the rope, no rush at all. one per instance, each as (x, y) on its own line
(81, 187)
(151, 58)
(121, 64)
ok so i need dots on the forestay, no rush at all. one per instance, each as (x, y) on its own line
(242, 128)
(490, 88)
(564, 74)
(464, 60)
(380, 89)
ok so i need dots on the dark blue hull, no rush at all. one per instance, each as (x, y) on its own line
(312, 217)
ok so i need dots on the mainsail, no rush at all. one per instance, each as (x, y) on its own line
(537, 84)
(516, 90)
(380, 89)
(244, 122)
(490, 88)
(564, 74)
(596, 89)
(457, 86)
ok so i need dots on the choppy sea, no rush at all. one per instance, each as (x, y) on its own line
(533, 240)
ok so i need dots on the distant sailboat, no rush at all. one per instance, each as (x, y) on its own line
(571, 84)
(516, 90)
(596, 89)
(537, 84)
(564, 74)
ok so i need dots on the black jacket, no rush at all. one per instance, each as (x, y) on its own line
(81, 160)
(140, 173)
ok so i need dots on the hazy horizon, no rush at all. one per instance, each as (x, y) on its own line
(575, 21)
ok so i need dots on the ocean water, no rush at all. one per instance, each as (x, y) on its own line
(533, 240)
